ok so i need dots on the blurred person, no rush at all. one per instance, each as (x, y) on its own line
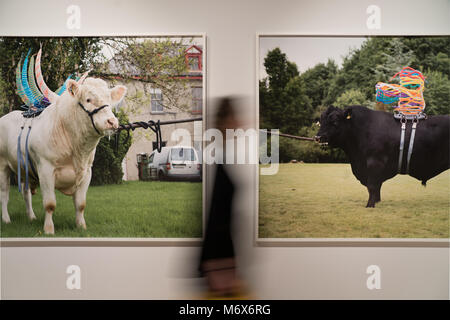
(218, 258)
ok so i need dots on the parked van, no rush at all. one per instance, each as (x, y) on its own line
(177, 163)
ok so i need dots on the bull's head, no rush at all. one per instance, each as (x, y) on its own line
(95, 100)
(333, 124)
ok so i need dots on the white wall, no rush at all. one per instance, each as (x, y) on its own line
(290, 273)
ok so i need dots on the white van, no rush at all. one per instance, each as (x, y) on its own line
(178, 162)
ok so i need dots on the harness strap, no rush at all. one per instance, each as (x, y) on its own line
(402, 143)
(411, 144)
(91, 114)
(27, 158)
(19, 160)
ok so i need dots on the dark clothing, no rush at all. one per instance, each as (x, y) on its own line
(218, 242)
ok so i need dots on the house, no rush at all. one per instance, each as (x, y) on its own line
(145, 102)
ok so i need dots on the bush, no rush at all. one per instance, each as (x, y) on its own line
(307, 151)
(351, 97)
(107, 167)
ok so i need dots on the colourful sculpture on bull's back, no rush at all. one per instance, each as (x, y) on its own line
(31, 87)
(408, 94)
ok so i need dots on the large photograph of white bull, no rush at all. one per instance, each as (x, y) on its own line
(107, 127)
(61, 144)
(360, 120)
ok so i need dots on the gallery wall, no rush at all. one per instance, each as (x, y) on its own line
(231, 26)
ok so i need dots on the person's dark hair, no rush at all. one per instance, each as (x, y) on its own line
(225, 109)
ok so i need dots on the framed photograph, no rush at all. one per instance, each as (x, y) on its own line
(103, 140)
(338, 104)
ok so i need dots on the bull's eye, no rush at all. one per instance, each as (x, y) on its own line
(88, 100)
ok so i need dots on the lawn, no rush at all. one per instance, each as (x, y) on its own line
(327, 201)
(133, 209)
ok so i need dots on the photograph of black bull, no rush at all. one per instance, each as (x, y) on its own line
(371, 140)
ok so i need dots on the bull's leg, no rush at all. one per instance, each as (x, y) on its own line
(27, 197)
(4, 192)
(47, 180)
(378, 194)
(375, 167)
(374, 194)
(79, 200)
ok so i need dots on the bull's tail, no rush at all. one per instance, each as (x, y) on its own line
(424, 183)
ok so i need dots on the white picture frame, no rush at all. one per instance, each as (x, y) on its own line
(325, 242)
(132, 242)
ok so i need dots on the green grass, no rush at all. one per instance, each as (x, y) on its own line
(327, 201)
(133, 209)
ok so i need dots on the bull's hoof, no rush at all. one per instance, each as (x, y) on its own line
(32, 217)
(49, 229)
(82, 226)
(81, 223)
(370, 205)
(6, 220)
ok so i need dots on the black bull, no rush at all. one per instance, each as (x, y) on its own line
(371, 140)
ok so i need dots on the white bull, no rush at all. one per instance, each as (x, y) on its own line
(61, 145)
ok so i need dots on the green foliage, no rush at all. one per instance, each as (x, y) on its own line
(318, 80)
(430, 53)
(60, 58)
(283, 101)
(397, 56)
(160, 62)
(437, 93)
(358, 70)
(306, 151)
(3, 97)
(351, 97)
(107, 167)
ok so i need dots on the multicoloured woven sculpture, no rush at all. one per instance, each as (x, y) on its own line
(408, 94)
(31, 87)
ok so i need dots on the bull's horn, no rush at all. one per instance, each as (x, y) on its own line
(20, 89)
(50, 95)
(32, 82)
(25, 84)
(83, 77)
(61, 89)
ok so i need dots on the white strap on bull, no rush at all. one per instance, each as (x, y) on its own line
(404, 121)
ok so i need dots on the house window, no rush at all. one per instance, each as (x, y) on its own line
(194, 63)
(194, 59)
(156, 101)
(197, 100)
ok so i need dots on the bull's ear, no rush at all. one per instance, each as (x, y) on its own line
(348, 114)
(117, 94)
(73, 88)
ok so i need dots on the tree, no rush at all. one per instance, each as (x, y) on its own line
(283, 100)
(160, 62)
(107, 167)
(60, 58)
(430, 53)
(358, 70)
(351, 97)
(397, 56)
(437, 93)
(317, 80)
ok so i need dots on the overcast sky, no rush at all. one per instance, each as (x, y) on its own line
(308, 51)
